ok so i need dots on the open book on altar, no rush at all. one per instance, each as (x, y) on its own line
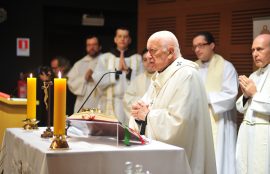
(89, 123)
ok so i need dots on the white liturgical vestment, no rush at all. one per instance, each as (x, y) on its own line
(113, 88)
(179, 114)
(221, 81)
(136, 90)
(78, 84)
(253, 142)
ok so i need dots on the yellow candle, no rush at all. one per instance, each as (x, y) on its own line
(59, 109)
(31, 97)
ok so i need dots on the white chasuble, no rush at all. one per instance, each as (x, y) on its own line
(135, 90)
(179, 114)
(79, 86)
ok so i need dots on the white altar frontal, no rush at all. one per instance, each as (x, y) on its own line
(26, 152)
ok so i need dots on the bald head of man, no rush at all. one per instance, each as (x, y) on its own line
(163, 49)
(261, 50)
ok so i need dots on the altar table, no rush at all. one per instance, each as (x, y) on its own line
(26, 152)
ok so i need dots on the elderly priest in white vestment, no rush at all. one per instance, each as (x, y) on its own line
(253, 143)
(175, 107)
(221, 82)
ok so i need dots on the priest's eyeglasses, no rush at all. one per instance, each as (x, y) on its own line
(200, 46)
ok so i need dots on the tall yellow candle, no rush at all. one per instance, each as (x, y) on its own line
(59, 109)
(31, 97)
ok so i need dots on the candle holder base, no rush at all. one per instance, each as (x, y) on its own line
(30, 124)
(48, 133)
(59, 142)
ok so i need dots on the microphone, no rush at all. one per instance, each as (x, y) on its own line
(116, 72)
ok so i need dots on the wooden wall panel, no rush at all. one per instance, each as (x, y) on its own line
(202, 22)
(242, 63)
(161, 23)
(242, 31)
(151, 2)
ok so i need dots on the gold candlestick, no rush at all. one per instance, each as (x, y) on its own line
(30, 124)
(59, 114)
(59, 142)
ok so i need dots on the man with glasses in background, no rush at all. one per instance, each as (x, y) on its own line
(221, 82)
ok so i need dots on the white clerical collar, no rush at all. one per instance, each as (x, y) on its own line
(205, 64)
(262, 70)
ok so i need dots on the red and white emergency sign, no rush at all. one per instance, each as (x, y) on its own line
(23, 47)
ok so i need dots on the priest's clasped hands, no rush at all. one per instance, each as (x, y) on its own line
(247, 86)
(122, 63)
(88, 75)
(139, 110)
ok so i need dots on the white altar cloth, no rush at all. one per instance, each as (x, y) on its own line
(25, 152)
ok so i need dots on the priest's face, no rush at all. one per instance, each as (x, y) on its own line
(92, 47)
(261, 50)
(203, 50)
(147, 64)
(122, 39)
(158, 55)
(55, 66)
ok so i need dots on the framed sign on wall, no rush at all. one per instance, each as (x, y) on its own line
(261, 26)
(23, 47)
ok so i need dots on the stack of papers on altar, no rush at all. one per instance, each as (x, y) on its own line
(97, 124)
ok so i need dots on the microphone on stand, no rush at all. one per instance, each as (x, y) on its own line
(116, 72)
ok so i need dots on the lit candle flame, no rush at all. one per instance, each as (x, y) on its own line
(59, 74)
(31, 75)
